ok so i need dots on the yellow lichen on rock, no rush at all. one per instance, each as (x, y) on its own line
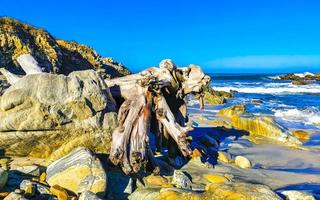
(258, 126)
(59, 192)
(153, 180)
(224, 157)
(235, 110)
(215, 178)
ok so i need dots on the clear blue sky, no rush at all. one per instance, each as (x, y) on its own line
(219, 35)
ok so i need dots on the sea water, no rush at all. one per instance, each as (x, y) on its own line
(293, 106)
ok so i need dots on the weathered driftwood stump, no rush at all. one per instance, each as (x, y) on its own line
(150, 101)
(153, 99)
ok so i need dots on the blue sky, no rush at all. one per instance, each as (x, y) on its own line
(219, 35)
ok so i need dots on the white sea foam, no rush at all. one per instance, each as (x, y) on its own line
(308, 116)
(274, 89)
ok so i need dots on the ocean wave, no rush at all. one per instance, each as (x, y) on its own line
(308, 116)
(312, 89)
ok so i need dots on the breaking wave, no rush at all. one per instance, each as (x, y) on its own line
(308, 116)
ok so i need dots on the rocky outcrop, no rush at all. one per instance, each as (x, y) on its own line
(300, 79)
(47, 115)
(79, 171)
(57, 56)
(258, 126)
(217, 97)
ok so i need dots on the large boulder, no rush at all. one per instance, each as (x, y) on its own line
(79, 171)
(47, 115)
(258, 126)
(217, 97)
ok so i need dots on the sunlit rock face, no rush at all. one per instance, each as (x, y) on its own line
(47, 115)
(258, 127)
(58, 56)
(79, 171)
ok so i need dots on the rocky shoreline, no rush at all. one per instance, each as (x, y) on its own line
(304, 79)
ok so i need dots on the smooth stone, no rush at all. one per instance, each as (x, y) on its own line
(297, 195)
(242, 162)
(14, 196)
(43, 177)
(256, 101)
(87, 195)
(42, 189)
(4, 194)
(196, 153)
(59, 192)
(78, 171)
(224, 156)
(181, 180)
(3, 177)
(215, 178)
(155, 181)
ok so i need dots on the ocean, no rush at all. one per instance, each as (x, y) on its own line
(292, 106)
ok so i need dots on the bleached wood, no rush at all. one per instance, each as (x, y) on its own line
(29, 64)
(143, 94)
(11, 78)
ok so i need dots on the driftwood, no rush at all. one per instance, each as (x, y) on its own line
(27, 63)
(148, 93)
(150, 101)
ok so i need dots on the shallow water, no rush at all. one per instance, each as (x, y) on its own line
(294, 107)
